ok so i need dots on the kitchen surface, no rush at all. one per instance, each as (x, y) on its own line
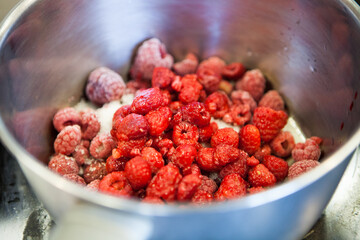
(22, 216)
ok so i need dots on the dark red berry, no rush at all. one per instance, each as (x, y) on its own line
(205, 133)
(158, 120)
(116, 183)
(196, 113)
(260, 176)
(147, 100)
(226, 136)
(96, 170)
(115, 164)
(162, 77)
(279, 167)
(185, 133)
(232, 186)
(252, 161)
(184, 156)
(217, 104)
(233, 71)
(238, 114)
(190, 89)
(133, 126)
(153, 158)
(187, 187)
(138, 172)
(239, 166)
(250, 140)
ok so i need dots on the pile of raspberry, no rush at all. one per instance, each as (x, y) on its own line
(166, 146)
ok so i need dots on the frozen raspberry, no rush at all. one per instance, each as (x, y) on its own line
(115, 183)
(190, 89)
(90, 125)
(202, 197)
(216, 64)
(162, 77)
(63, 164)
(115, 164)
(226, 136)
(187, 65)
(225, 154)
(252, 161)
(301, 167)
(165, 145)
(85, 143)
(135, 85)
(102, 145)
(239, 166)
(192, 169)
(75, 178)
(187, 187)
(241, 97)
(206, 160)
(133, 126)
(233, 71)
(282, 144)
(318, 140)
(129, 148)
(158, 120)
(184, 156)
(262, 151)
(253, 81)
(152, 53)
(67, 140)
(152, 200)
(260, 176)
(217, 104)
(165, 183)
(250, 140)
(175, 106)
(167, 97)
(185, 133)
(66, 117)
(119, 115)
(279, 167)
(238, 114)
(138, 172)
(96, 170)
(94, 185)
(226, 87)
(205, 133)
(272, 99)
(153, 158)
(196, 113)
(269, 122)
(309, 150)
(80, 154)
(147, 100)
(253, 190)
(177, 84)
(209, 79)
(207, 184)
(104, 85)
(232, 186)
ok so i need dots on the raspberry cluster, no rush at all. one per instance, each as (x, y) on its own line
(165, 146)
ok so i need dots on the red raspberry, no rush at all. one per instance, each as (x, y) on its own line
(190, 89)
(133, 126)
(153, 200)
(260, 176)
(226, 87)
(184, 156)
(119, 115)
(206, 160)
(253, 190)
(152, 53)
(63, 164)
(196, 114)
(254, 82)
(147, 100)
(232, 186)
(301, 167)
(162, 77)
(185, 133)
(85, 143)
(240, 97)
(202, 197)
(153, 158)
(165, 183)
(67, 140)
(282, 144)
(115, 183)
(75, 178)
(269, 122)
(309, 150)
(128, 148)
(96, 170)
(159, 120)
(272, 99)
(250, 140)
(214, 63)
(238, 115)
(217, 104)
(165, 145)
(279, 167)
(318, 140)
(167, 97)
(175, 106)
(102, 145)
(186, 66)
(94, 185)
(226, 136)
(115, 164)
(133, 86)
(90, 125)
(233, 71)
(193, 169)
(138, 172)
(262, 151)
(187, 187)
(80, 154)
(205, 133)
(207, 184)
(239, 166)
(209, 79)
(104, 85)
(225, 154)
(177, 84)
(66, 117)
(252, 161)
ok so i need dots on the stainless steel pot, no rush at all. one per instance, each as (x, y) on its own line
(308, 50)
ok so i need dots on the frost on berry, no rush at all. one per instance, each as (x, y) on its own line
(94, 185)
(104, 85)
(226, 136)
(63, 164)
(282, 144)
(75, 178)
(147, 100)
(102, 145)
(185, 133)
(187, 65)
(217, 104)
(116, 183)
(67, 140)
(233, 71)
(153, 157)
(138, 172)
(90, 125)
(301, 167)
(232, 186)
(250, 139)
(158, 120)
(260, 176)
(253, 81)
(272, 99)
(209, 79)
(309, 150)
(238, 114)
(66, 117)
(239, 166)
(242, 97)
(279, 167)
(132, 86)
(81, 154)
(187, 187)
(95, 170)
(133, 126)
(196, 113)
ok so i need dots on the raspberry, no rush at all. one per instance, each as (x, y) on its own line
(217, 104)
(162, 77)
(226, 136)
(239, 166)
(232, 186)
(202, 197)
(318, 140)
(277, 166)
(225, 154)
(67, 140)
(75, 178)
(272, 99)
(128, 148)
(193, 169)
(177, 83)
(167, 97)
(226, 87)
(190, 89)
(104, 85)
(165, 183)
(152, 53)
(147, 100)
(186, 66)
(184, 156)
(196, 114)
(152, 200)
(133, 86)
(158, 120)
(153, 158)
(238, 114)
(252, 161)
(165, 145)
(119, 115)
(115, 183)
(85, 143)
(96, 170)
(80, 154)
(207, 184)
(175, 106)
(241, 97)
(185, 133)
(262, 151)
(63, 164)
(282, 144)
(94, 185)
(250, 140)
(187, 187)
(102, 145)
(253, 81)
(260, 176)
(133, 126)
(253, 190)
(205, 133)
(90, 125)
(309, 150)
(269, 122)
(301, 167)
(213, 63)
(115, 164)
(138, 172)
(206, 160)
(66, 117)
(209, 79)
(233, 71)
